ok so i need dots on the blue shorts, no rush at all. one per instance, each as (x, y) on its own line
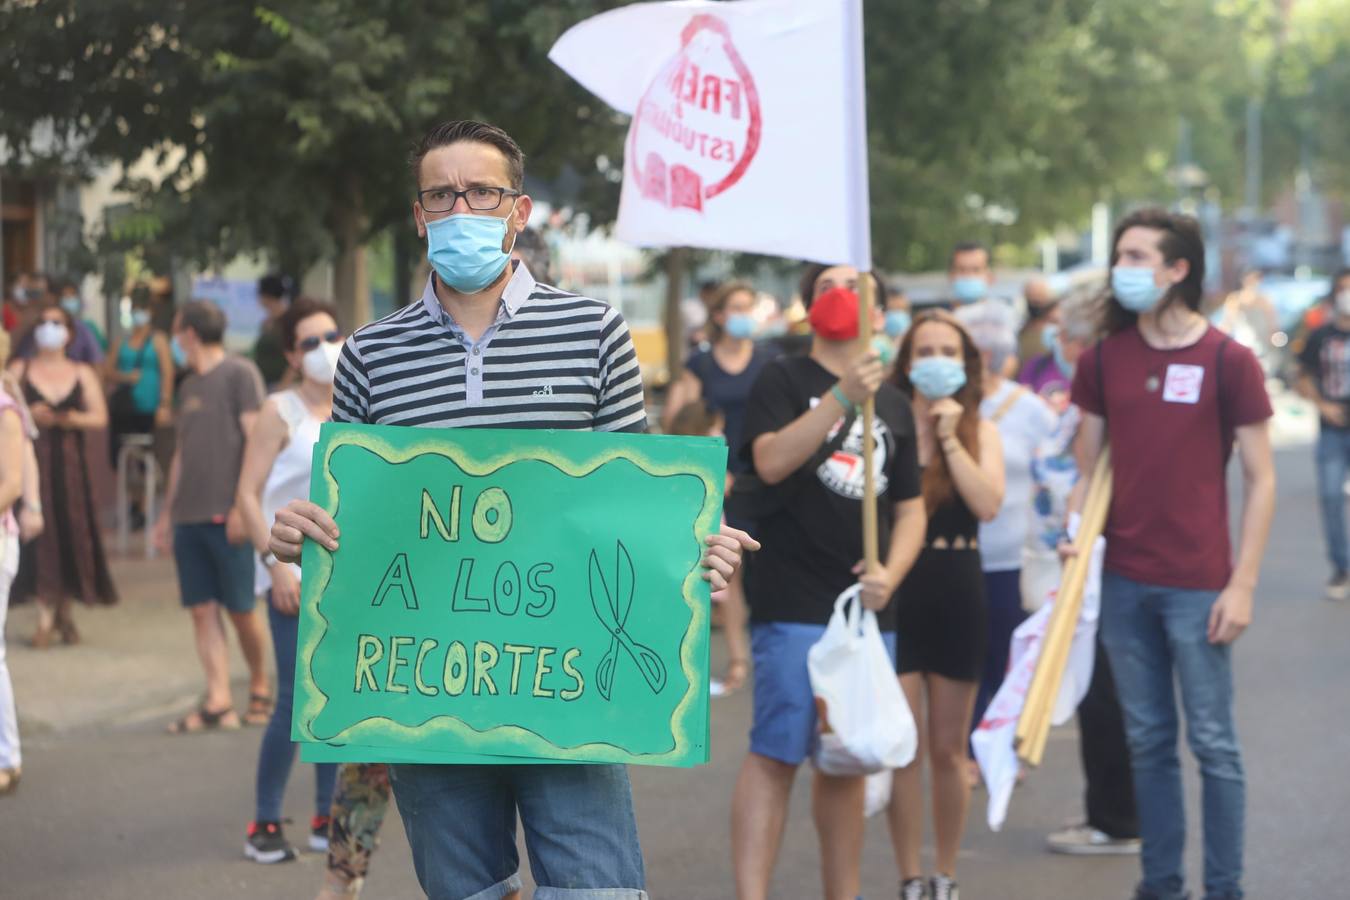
(211, 568)
(785, 709)
(580, 832)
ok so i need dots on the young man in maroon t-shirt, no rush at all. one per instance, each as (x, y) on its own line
(1170, 393)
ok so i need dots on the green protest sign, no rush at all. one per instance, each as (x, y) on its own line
(521, 596)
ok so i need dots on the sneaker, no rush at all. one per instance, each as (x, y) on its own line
(1338, 587)
(914, 889)
(1084, 840)
(944, 888)
(266, 843)
(318, 833)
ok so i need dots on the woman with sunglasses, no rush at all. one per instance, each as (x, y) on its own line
(276, 470)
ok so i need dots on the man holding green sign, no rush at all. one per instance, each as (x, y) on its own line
(488, 348)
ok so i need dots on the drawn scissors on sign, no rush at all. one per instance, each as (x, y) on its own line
(612, 608)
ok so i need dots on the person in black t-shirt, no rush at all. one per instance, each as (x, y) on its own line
(803, 436)
(1325, 380)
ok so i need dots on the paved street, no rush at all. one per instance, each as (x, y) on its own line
(112, 808)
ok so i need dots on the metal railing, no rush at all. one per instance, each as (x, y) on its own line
(137, 450)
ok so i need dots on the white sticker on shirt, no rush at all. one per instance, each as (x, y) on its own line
(1183, 383)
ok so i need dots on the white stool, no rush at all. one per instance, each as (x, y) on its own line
(136, 450)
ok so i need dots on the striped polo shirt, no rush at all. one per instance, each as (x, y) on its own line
(551, 359)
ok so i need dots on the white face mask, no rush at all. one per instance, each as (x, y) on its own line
(1343, 303)
(51, 335)
(320, 363)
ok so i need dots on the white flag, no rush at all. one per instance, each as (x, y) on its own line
(748, 128)
(993, 739)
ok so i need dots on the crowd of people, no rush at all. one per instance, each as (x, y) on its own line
(987, 412)
(984, 423)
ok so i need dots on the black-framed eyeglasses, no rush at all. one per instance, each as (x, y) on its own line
(479, 199)
(311, 343)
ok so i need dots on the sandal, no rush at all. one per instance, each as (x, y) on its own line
(9, 781)
(259, 709)
(205, 720)
(69, 633)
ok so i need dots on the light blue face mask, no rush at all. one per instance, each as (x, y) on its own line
(1050, 338)
(1133, 286)
(72, 305)
(897, 322)
(140, 317)
(740, 326)
(937, 376)
(1065, 367)
(178, 353)
(969, 290)
(466, 250)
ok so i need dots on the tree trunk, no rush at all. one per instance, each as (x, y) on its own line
(406, 250)
(677, 265)
(351, 285)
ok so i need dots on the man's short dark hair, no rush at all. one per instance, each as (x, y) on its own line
(967, 247)
(300, 309)
(448, 133)
(205, 319)
(807, 286)
(276, 285)
(1181, 238)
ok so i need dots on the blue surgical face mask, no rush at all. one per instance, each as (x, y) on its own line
(72, 305)
(178, 353)
(897, 322)
(466, 250)
(1065, 367)
(969, 289)
(1134, 287)
(140, 317)
(1050, 338)
(937, 376)
(740, 326)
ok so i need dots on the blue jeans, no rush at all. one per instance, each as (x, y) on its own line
(580, 832)
(277, 753)
(1155, 636)
(1333, 461)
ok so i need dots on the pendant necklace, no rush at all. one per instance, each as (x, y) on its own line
(1154, 381)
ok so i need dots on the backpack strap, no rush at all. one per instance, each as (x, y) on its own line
(1219, 396)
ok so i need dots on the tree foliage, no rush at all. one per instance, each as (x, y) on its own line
(989, 118)
(297, 115)
(1309, 95)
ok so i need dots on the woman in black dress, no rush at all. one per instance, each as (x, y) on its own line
(940, 610)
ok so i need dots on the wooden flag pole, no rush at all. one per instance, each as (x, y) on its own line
(1060, 631)
(1064, 612)
(1034, 728)
(866, 301)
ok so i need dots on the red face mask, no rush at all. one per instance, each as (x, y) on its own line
(834, 315)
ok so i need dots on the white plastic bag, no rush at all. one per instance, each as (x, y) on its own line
(865, 723)
(877, 792)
